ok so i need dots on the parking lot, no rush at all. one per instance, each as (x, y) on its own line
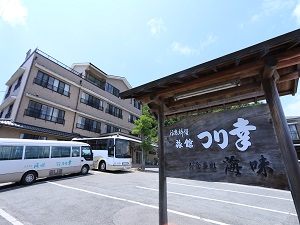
(132, 198)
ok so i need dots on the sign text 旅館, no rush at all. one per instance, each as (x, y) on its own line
(237, 146)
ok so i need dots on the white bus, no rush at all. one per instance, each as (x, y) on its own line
(112, 151)
(25, 160)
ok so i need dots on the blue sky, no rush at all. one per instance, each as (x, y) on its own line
(140, 40)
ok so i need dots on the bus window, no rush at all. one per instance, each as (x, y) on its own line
(60, 151)
(110, 147)
(75, 151)
(11, 152)
(122, 148)
(101, 144)
(92, 143)
(37, 152)
(86, 153)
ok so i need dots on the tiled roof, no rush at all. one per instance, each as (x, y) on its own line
(9, 123)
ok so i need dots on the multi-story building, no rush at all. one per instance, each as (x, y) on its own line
(294, 127)
(46, 99)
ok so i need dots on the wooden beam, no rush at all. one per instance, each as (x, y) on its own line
(287, 77)
(285, 59)
(237, 61)
(263, 52)
(270, 68)
(289, 62)
(296, 42)
(219, 102)
(163, 208)
(217, 95)
(283, 135)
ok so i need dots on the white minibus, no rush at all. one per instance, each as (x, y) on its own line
(112, 151)
(25, 160)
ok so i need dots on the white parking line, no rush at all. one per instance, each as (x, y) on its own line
(9, 218)
(139, 203)
(217, 200)
(239, 192)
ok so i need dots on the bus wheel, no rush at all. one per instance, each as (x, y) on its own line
(28, 178)
(102, 166)
(84, 170)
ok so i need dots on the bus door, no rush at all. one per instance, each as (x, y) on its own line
(111, 152)
(76, 159)
(86, 156)
(123, 152)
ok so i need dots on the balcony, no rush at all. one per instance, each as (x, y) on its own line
(51, 87)
(37, 114)
(15, 76)
(8, 101)
(88, 127)
(94, 104)
(114, 113)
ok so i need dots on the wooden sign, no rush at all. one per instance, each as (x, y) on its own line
(236, 146)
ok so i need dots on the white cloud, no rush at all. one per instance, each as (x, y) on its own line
(187, 51)
(156, 26)
(13, 12)
(293, 108)
(182, 50)
(210, 39)
(296, 13)
(271, 7)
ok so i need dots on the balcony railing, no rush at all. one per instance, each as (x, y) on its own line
(88, 127)
(93, 104)
(51, 87)
(17, 86)
(37, 114)
(58, 62)
(7, 94)
(7, 115)
(111, 112)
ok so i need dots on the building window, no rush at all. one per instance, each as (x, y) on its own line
(294, 131)
(137, 105)
(111, 89)
(44, 112)
(132, 118)
(92, 101)
(112, 110)
(88, 124)
(19, 83)
(96, 82)
(8, 92)
(51, 83)
(103, 85)
(32, 136)
(111, 129)
(8, 114)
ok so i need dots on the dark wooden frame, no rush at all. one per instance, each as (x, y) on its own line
(263, 71)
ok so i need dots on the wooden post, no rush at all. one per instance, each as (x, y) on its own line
(163, 210)
(284, 137)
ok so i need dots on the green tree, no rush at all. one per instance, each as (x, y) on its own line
(146, 127)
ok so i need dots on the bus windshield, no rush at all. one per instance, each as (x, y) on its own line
(122, 148)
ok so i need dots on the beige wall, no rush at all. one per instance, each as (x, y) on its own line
(8, 132)
(71, 104)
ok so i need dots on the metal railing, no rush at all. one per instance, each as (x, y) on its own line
(58, 62)
(88, 127)
(37, 114)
